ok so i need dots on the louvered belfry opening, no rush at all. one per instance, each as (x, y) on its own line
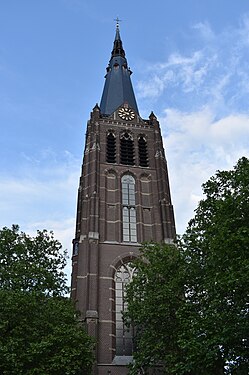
(127, 149)
(111, 148)
(143, 152)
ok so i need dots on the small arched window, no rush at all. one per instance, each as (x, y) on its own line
(124, 335)
(126, 149)
(143, 152)
(110, 148)
(129, 209)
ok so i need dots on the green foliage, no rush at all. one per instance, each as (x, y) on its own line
(39, 329)
(216, 247)
(31, 263)
(155, 297)
(207, 331)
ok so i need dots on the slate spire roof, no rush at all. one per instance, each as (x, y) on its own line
(118, 87)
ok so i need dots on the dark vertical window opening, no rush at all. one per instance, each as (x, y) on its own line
(143, 152)
(127, 149)
(111, 148)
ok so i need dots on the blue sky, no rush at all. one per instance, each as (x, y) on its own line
(190, 64)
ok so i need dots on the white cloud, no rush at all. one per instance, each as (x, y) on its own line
(43, 190)
(152, 88)
(206, 121)
(205, 30)
(215, 72)
(177, 59)
(184, 73)
(179, 70)
(196, 146)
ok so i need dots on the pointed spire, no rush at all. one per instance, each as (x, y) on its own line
(118, 87)
(117, 45)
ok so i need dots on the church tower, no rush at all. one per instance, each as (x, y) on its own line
(123, 201)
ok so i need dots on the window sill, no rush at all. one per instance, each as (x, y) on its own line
(122, 360)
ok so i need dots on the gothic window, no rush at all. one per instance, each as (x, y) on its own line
(124, 335)
(111, 148)
(126, 149)
(128, 208)
(143, 152)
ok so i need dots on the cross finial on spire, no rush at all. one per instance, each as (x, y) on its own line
(117, 22)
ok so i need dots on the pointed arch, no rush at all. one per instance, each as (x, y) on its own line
(110, 147)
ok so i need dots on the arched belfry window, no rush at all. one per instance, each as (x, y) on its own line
(143, 152)
(126, 149)
(111, 148)
(129, 209)
(124, 335)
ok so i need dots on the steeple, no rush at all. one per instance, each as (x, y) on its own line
(118, 46)
(123, 201)
(118, 87)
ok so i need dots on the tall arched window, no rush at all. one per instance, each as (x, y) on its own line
(129, 209)
(124, 335)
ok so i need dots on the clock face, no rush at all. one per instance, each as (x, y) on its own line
(126, 114)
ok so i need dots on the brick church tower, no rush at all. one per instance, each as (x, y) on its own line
(123, 201)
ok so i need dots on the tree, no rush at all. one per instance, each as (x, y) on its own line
(39, 329)
(207, 331)
(216, 248)
(155, 297)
